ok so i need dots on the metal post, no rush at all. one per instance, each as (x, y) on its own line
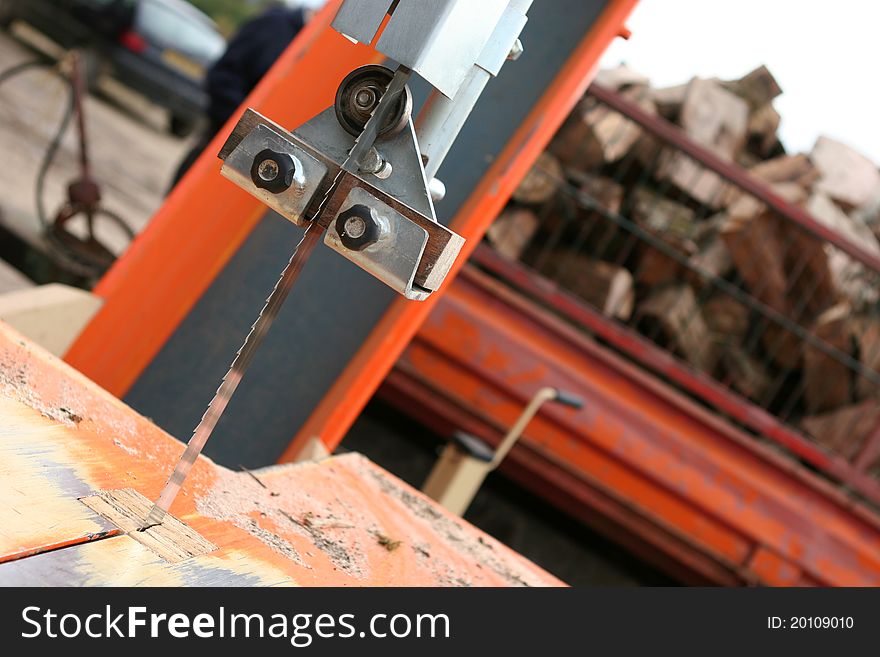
(465, 462)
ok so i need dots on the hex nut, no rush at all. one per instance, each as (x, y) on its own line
(367, 230)
(273, 171)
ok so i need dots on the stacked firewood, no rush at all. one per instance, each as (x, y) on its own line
(644, 233)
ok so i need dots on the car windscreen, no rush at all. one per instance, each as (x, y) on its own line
(165, 27)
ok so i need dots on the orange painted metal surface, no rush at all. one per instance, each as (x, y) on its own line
(341, 521)
(720, 505)
(356, 385)
(204, 221)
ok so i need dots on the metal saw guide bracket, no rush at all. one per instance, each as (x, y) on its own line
(375, 207)
(401, 201)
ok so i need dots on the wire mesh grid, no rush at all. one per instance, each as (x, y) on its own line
(680, 253)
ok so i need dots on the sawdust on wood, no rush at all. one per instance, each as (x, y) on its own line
(237, 497)
(388, 543)
(482, 551)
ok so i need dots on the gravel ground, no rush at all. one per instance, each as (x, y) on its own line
(133, 158)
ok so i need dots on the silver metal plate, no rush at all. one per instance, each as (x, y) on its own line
(509, 27)
(291, 204)
(441, 40)
(361, 19)
(395, 258)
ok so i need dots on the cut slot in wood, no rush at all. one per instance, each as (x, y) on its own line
(173, 540)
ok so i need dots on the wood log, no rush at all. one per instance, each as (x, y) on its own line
(789, 175)
(849, 278)
(671, 222)
(594, 135)
(669, 100)
(726, 317)
(746, 159)
(828, 382)
(673, 309)
(783, 265)
(599, 190)
(782, 346)
(848, 177)
(787, 169)
(602, 284)
(654, 267)
(718, 120)
(729, 323)
(868, 214)
(541, 182)
(866, 329)
(745, 374)
(755, 246)
(714, 117)
(712, 259)
(757, 87)
(843, 430)
(620, 77)
(763, 126)
(512, 231)
(662, 216)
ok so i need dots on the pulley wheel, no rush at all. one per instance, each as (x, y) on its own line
(359, 95)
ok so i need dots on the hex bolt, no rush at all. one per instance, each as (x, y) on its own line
(268, 170)
(516, 51)
(355, 227)
(273, 171)
(358, 227)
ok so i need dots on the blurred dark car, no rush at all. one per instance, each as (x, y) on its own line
(160, 48)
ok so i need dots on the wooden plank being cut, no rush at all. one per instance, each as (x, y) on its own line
(341, 521)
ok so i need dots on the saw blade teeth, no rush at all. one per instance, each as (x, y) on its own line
(268, 313)
(243, 358)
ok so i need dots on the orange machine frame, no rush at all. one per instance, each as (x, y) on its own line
(147, 293)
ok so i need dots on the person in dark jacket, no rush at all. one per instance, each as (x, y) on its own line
(249, 56)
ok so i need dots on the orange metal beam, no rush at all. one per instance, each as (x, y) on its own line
(659, 464)
(204, 221)
(353, 389)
